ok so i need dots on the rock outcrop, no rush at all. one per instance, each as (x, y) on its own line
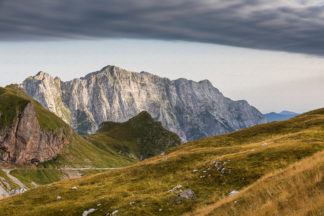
(28, 132)
(24, 142)
(191, 109)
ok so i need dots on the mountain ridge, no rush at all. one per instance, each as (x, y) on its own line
(283, 115)
(191, 109)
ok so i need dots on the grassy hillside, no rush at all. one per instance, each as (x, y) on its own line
(140, 137)
(211, 168)
(118, 145)
(297, 190)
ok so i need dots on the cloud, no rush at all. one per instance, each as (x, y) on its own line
(287, 25)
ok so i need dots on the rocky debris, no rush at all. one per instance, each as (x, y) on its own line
(17, 191)
(265, 144)
(191, 109)
(175, 188)
(132, 203)
(25, 142)
(160, 210)
(162, 154)
(223, 170)
(112, 213)
(74, 188)
(87, 212)
(194, 171)
(187, 194)
(233, 193)
(99, 204)
(58, 197)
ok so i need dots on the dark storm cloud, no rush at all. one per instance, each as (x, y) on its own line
(288, 25)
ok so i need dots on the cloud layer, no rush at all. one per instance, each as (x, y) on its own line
(287, 25)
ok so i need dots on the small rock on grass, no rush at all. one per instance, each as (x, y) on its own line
(233, 193)
(85, 213)
(175, 188)
(187, 194)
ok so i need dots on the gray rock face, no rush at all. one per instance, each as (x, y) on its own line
(191, 109)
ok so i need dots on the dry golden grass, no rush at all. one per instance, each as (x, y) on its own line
(147, 182)
(296, 190)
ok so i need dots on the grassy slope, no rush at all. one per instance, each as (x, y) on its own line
(7, 180)
(78, 153)
(147, 182)
(297, 190)
(13, 100)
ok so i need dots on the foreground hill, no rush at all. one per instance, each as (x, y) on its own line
(297, 190)
(194, 176)
(191, 109)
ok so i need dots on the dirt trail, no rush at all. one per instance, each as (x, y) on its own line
(14, 179)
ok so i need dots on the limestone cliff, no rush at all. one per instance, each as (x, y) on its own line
(191, 109)
(22, 139)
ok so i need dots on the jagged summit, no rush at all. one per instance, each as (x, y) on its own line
(191, 109)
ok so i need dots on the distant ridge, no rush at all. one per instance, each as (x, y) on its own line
(283, 115)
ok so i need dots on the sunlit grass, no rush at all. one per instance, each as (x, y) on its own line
(246, 155)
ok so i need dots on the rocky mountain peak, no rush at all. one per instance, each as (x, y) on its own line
(191, 109)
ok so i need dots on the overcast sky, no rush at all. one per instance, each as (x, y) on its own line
(267, 52)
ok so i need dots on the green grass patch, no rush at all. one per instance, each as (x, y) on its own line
(12, 185)
(38, 176)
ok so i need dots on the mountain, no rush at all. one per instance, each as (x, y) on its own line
(140, 137)
(284, 115)
(191, 109)
(269, 169)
